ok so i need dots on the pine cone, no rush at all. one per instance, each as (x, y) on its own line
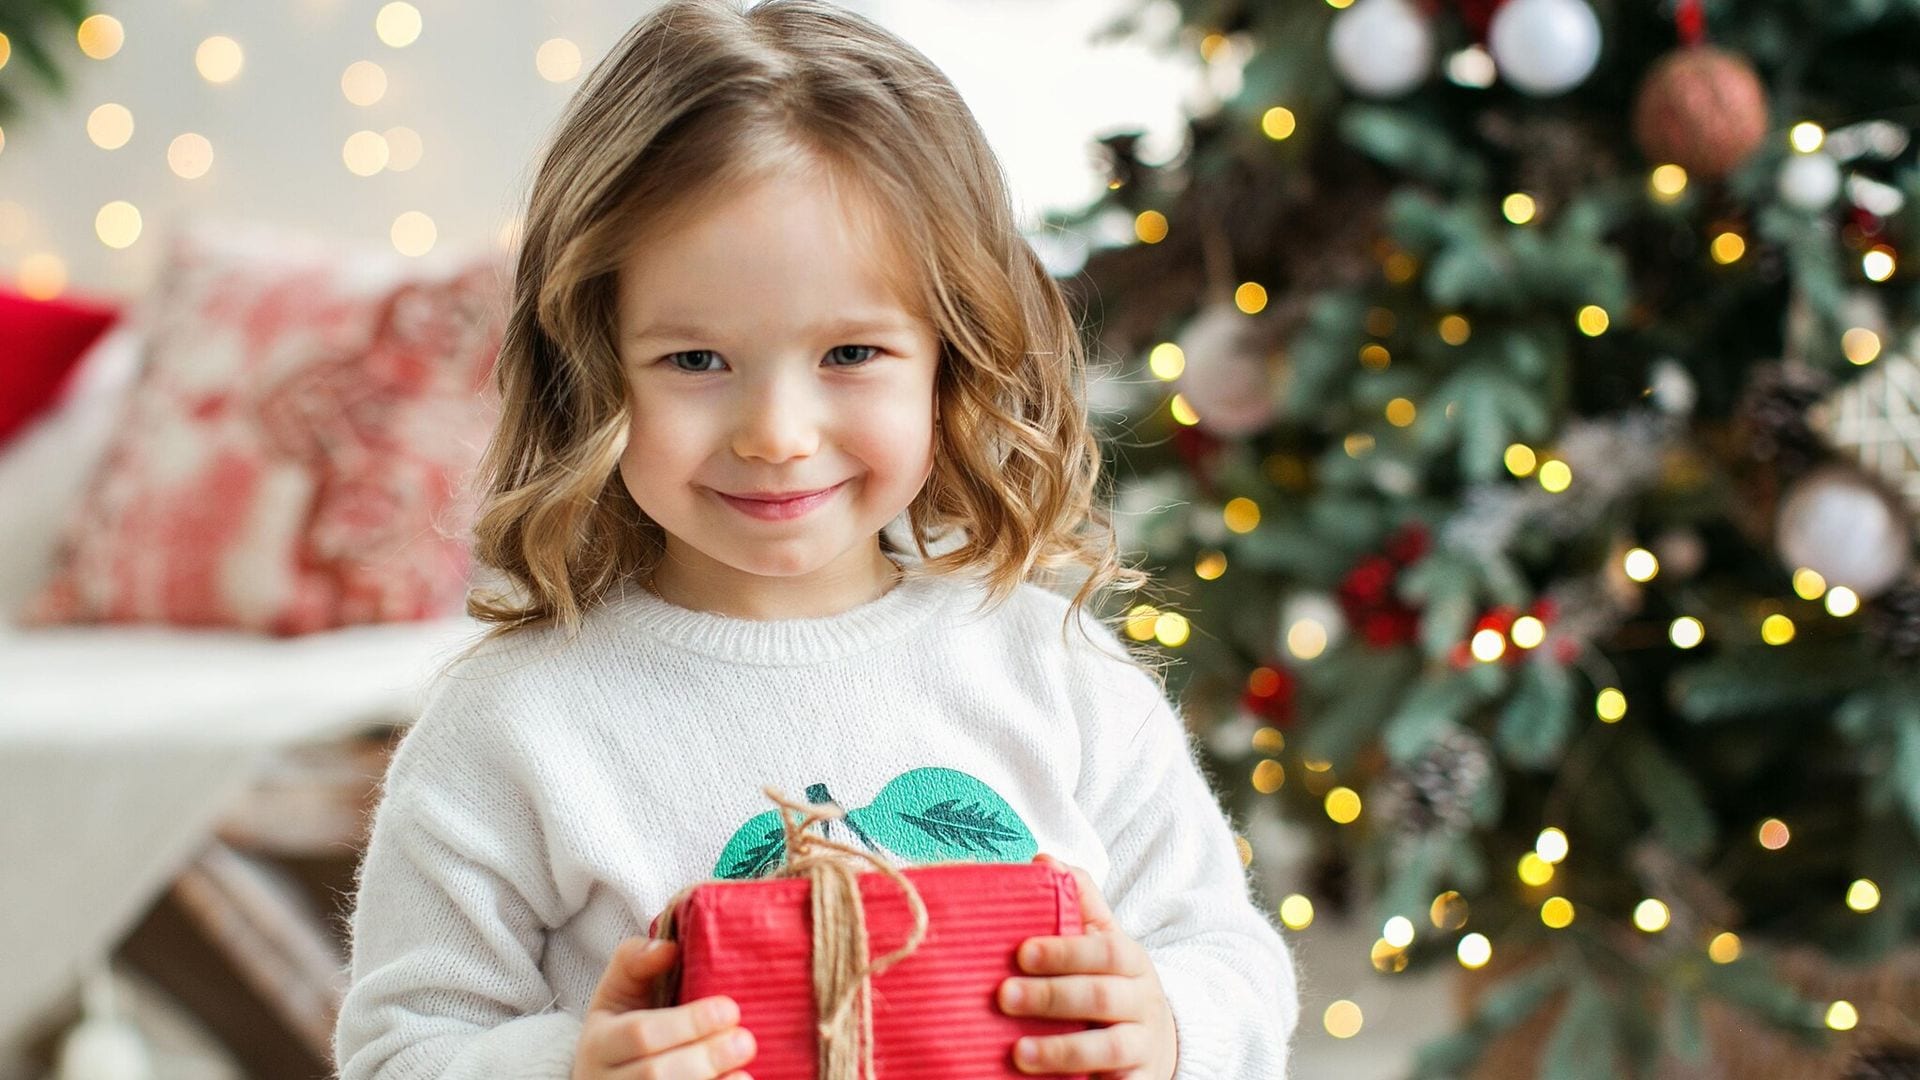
(1885, 1063)
(1437, 791)
(1894, 621)
(1774, 410)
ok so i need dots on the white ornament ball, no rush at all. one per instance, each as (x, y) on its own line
(1225, 381)
(1545, 47)
(1673, 389)
(1810, 181)
(1838, 523)
(1382, 48)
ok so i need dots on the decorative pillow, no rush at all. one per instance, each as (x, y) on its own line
(43, 341)
(296, 452)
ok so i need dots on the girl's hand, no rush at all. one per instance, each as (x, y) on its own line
(1101, 975)
(623, 1039)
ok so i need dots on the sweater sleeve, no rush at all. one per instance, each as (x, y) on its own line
(448, 927)
(1176, 882)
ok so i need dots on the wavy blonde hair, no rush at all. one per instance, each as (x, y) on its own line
(700, 98)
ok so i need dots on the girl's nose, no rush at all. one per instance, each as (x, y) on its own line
(776, 423)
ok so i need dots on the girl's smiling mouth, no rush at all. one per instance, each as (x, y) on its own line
(775, 507)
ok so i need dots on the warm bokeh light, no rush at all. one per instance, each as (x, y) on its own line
(43, 275)
(1266, 739)
(1842, 1016)
(1250, 297)
(100, 36)
(1488, 645)
(1520, 459)
(1269, 776)
(1528, 632)
(1861, 345)
(1474, 951)
(1806, 136)
(1296, 912)
(1728, 247)
(1306, 639)
(1686, 632)
(1398, 931)
(1842, 601)
(1374, 356)
(1242, 514)
(1172, 629)
(1610, 704)
(1774, 834)
(1668, 182)
(1724, 948)
(365, 153)
(1808, 584)
(1593, 320)
(1150, 226)
(190, 156)
(1343, 1019)
(1518, 207)
(110, 126)
(1278, 123)
(1776, 629)
(1652, 916)
(117, 224)
(1640, 564)
(1343, 805)
(1401, 412)
(364, 83)
(1455, 329)
(1140, 621)
(1182, 410)
(1551, 845)
(1557, 912)
(6, 50)
(1245, 847)
(1448, 911)
(1535, 870)
(1878, 264)
(557, 60)
(219, 59)
(413, 233)
(398, 24)
(403, 148)
(1556, 476)
(1209, 565)
(1166, 361)
(1388, 957)
(1863, 895)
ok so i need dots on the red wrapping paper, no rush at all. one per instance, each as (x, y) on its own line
(936, 1013)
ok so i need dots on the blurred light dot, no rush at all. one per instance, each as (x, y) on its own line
(1246, 849)
(1556, 476)
(1455, 330)
(1774, 834)
(1518, 207)
(1520, 459)
(1474, 951)
(1488, 645)
(557, 60)
(1400, 412)
(1610, 705)
(1686, 632)
(1651, 916)
(190, 156)
(398, 24)
(1806, 136)
(413, 233)
(1776, 629)
(1140, 621)
(43, 275)
(1842, 1016)
(6, 49)
(3, 138)
(1172, 628)
(1269, 776)
(219, 59)
(1557, 912)
(1388, 957)
(1448, 911)
(1860, 345)
(1296, 912)
(1242, 514)
(1398, 931)
(1209, 565)
(1337, 4)
(1593, 320)
(1724, 948)
(1808, 584)
(1315, 765)
(1472, 66)
(364, 82)
(1641, 565)
(1668, 182)
(117, 224)
(1343, 1019)
(110, 126)
(1863, 895)
(1535, 870)
(1728, 247)
(1343, 805)
(1250, 297)
(1877, 264)
(1278, 122)
(100, 36)
(1306, 639)
(1182, 410)
(1551, 845)
(403, 148)
(1150, 226)
(365, 153)
(1358, 444)
(1268, 739)
(1400, 267)
(1381, 321)
(1842, 601)
(1528, 631)
(1166, 361)
(1375, 355)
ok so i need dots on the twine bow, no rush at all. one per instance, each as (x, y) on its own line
(842, 979)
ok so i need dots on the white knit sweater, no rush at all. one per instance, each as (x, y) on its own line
(555, 793)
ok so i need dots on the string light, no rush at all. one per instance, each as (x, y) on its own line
(1528, 632)
(1241, 514)
(1245, 847)
(1640, 564)
(1140, 621)
(1520, 459)
(1776, 629)
(1278, 123)
(1842, 601)
(1551, 845)
(1610, 705)
(43, 275)
(1860, 345)
(364, 82)
(365, 153)
(1375, 355)
(1557, 912)
(403, 148)
(110, 126)
(6, 50)
(1398, 931)
(1878, 263)
(1172, 629)
(117, 224)
(1728, 247)
(1724, 948)
(1806, 136)
(1343, 805)
(1388, 957)
(398, 24)
(1651, 916)
(1556, 476)
(1593, 320)
(1842, 1016)
(1455, 330)
(557, 60)
(1474, 951)
(1400, 267)
(1448, 911)
(1518, 207)
(1210, 565)
(1267, 739)
(1535, 870)
(413, 233)
(190, 155)
(1306, 639)
(1343, 1019)
(1150, 226)
(1166, 361)
(1686, 632)
(1863, 895)
(1668, 183)
(1250, 297)
(1359, 444)
(100, 36)
(1296, 912)
(1268, 776)
(1182, 410)
(1808, 584)
(1400, 412)
(1774, 834)
(219, 59)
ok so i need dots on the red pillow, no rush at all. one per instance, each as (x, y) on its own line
(43, 343)
(294, 454)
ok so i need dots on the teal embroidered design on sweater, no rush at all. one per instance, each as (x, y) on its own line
(923, 816)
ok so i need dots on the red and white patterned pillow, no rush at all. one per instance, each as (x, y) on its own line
(296, 452)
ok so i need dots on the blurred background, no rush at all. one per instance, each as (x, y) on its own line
(1516, 400)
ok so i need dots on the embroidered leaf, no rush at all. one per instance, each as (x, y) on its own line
(756, 848)
(935, 815)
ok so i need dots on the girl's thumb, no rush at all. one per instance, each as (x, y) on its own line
(637, 964)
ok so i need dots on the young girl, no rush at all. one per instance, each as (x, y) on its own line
(772, 309)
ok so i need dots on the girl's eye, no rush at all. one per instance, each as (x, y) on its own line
(838, 353)
(675, 359)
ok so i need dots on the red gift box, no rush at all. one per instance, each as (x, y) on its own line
(935, 1013)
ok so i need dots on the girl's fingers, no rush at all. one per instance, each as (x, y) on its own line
(1104, 998)
(649, 1032)
(635, 966)
(1084, 954)
(720, 1054)
(1111, 1049)
(1095, 914)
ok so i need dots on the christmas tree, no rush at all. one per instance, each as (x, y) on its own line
(33, 29)
(1519, 403)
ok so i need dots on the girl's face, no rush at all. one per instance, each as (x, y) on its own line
(769, 352)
